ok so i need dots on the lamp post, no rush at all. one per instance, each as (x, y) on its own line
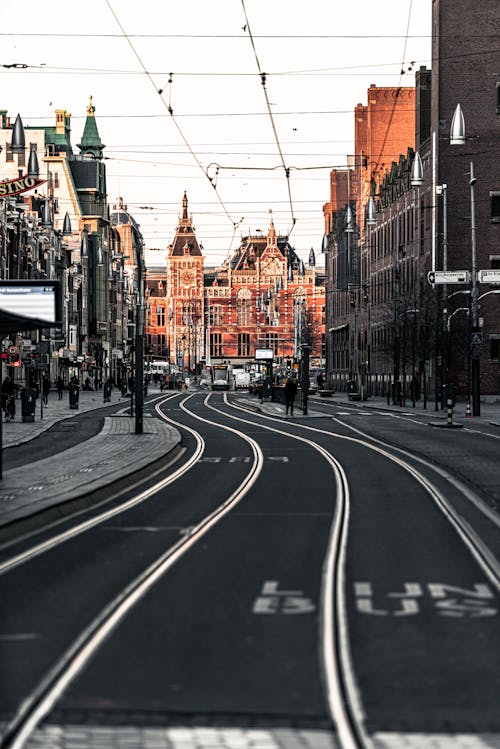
(457, 137)
(139, 346)
(475, 353)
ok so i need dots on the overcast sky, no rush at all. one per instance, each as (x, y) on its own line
(181, 106)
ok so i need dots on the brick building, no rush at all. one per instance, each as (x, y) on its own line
(263, 296)
(388, 327)
(383, 130)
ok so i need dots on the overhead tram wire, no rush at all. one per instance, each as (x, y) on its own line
(399, 86)
(171, 112)
(268, 104)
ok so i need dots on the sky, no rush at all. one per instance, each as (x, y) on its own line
(245, 105)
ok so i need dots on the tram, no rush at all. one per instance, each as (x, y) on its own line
(221, 376)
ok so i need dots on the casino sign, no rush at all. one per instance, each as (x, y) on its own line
(19, 185)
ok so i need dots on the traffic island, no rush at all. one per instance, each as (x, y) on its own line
(445, 425)
(449, 423)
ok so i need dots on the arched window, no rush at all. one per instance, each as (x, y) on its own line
(243, 307)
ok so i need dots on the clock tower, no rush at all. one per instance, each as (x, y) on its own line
(185, 283)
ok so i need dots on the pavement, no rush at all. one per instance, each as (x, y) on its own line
(28, 493)
(57, 483)
(490, 411)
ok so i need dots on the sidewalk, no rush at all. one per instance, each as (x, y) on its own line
(71, 474)
(30, 494)
(490, 412)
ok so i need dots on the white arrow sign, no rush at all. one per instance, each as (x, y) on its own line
(448, 276)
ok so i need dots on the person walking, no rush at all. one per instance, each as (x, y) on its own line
(45, 390)
(290, 393)
(60, 387)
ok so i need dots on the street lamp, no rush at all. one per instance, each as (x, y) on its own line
(457, 137)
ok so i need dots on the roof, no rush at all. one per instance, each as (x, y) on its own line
(91, 142)
(185, 242)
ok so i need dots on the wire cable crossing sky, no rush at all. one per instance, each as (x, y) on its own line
(246, 109)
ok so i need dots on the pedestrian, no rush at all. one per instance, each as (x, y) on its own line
(60, 387)
(45, 390)
(8, 401)
(290, 393)
(320, 380)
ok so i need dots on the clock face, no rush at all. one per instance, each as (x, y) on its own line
(187, 277)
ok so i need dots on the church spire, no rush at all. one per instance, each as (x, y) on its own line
(185, 207)
(91, 144)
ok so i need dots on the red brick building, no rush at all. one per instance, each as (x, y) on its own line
(389, 328)
(384, 131)
(263, 296)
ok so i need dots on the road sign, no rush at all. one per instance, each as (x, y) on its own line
(488, 276)
(13, 350)
(476, 338)
(448, 276)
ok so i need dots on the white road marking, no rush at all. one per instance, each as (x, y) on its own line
(274, 601)
(453, 601)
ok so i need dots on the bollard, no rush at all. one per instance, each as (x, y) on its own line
(449, 407)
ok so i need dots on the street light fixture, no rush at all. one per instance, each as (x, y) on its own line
(457, 137)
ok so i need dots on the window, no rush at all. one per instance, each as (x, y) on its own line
(272, 342)
(243, 344)
(495, 207)
(215, 344)
(495, 348)
(160, 316)
(215, 314)
(243, 307)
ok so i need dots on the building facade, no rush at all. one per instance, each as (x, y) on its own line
(60, 229)
(263, 296)
(434, 208)
(383, 130)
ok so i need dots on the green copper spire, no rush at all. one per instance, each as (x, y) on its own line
(91, 144)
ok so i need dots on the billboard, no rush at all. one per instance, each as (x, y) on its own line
(29, 305)
(265, 354)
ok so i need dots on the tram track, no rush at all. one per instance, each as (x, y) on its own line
(484, 556)
(42, 699)
(341, 690)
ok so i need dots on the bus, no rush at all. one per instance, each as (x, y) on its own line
(221, 374)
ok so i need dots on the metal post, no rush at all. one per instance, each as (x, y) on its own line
(139, 373)
(476, 355)
(444, 326)
(395, 399)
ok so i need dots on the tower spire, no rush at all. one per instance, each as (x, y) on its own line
(91, 144)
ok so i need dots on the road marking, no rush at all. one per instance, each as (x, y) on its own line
(447, 600)
(20, 637)
(274, 601)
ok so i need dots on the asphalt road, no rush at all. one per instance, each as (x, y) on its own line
(231, 633)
